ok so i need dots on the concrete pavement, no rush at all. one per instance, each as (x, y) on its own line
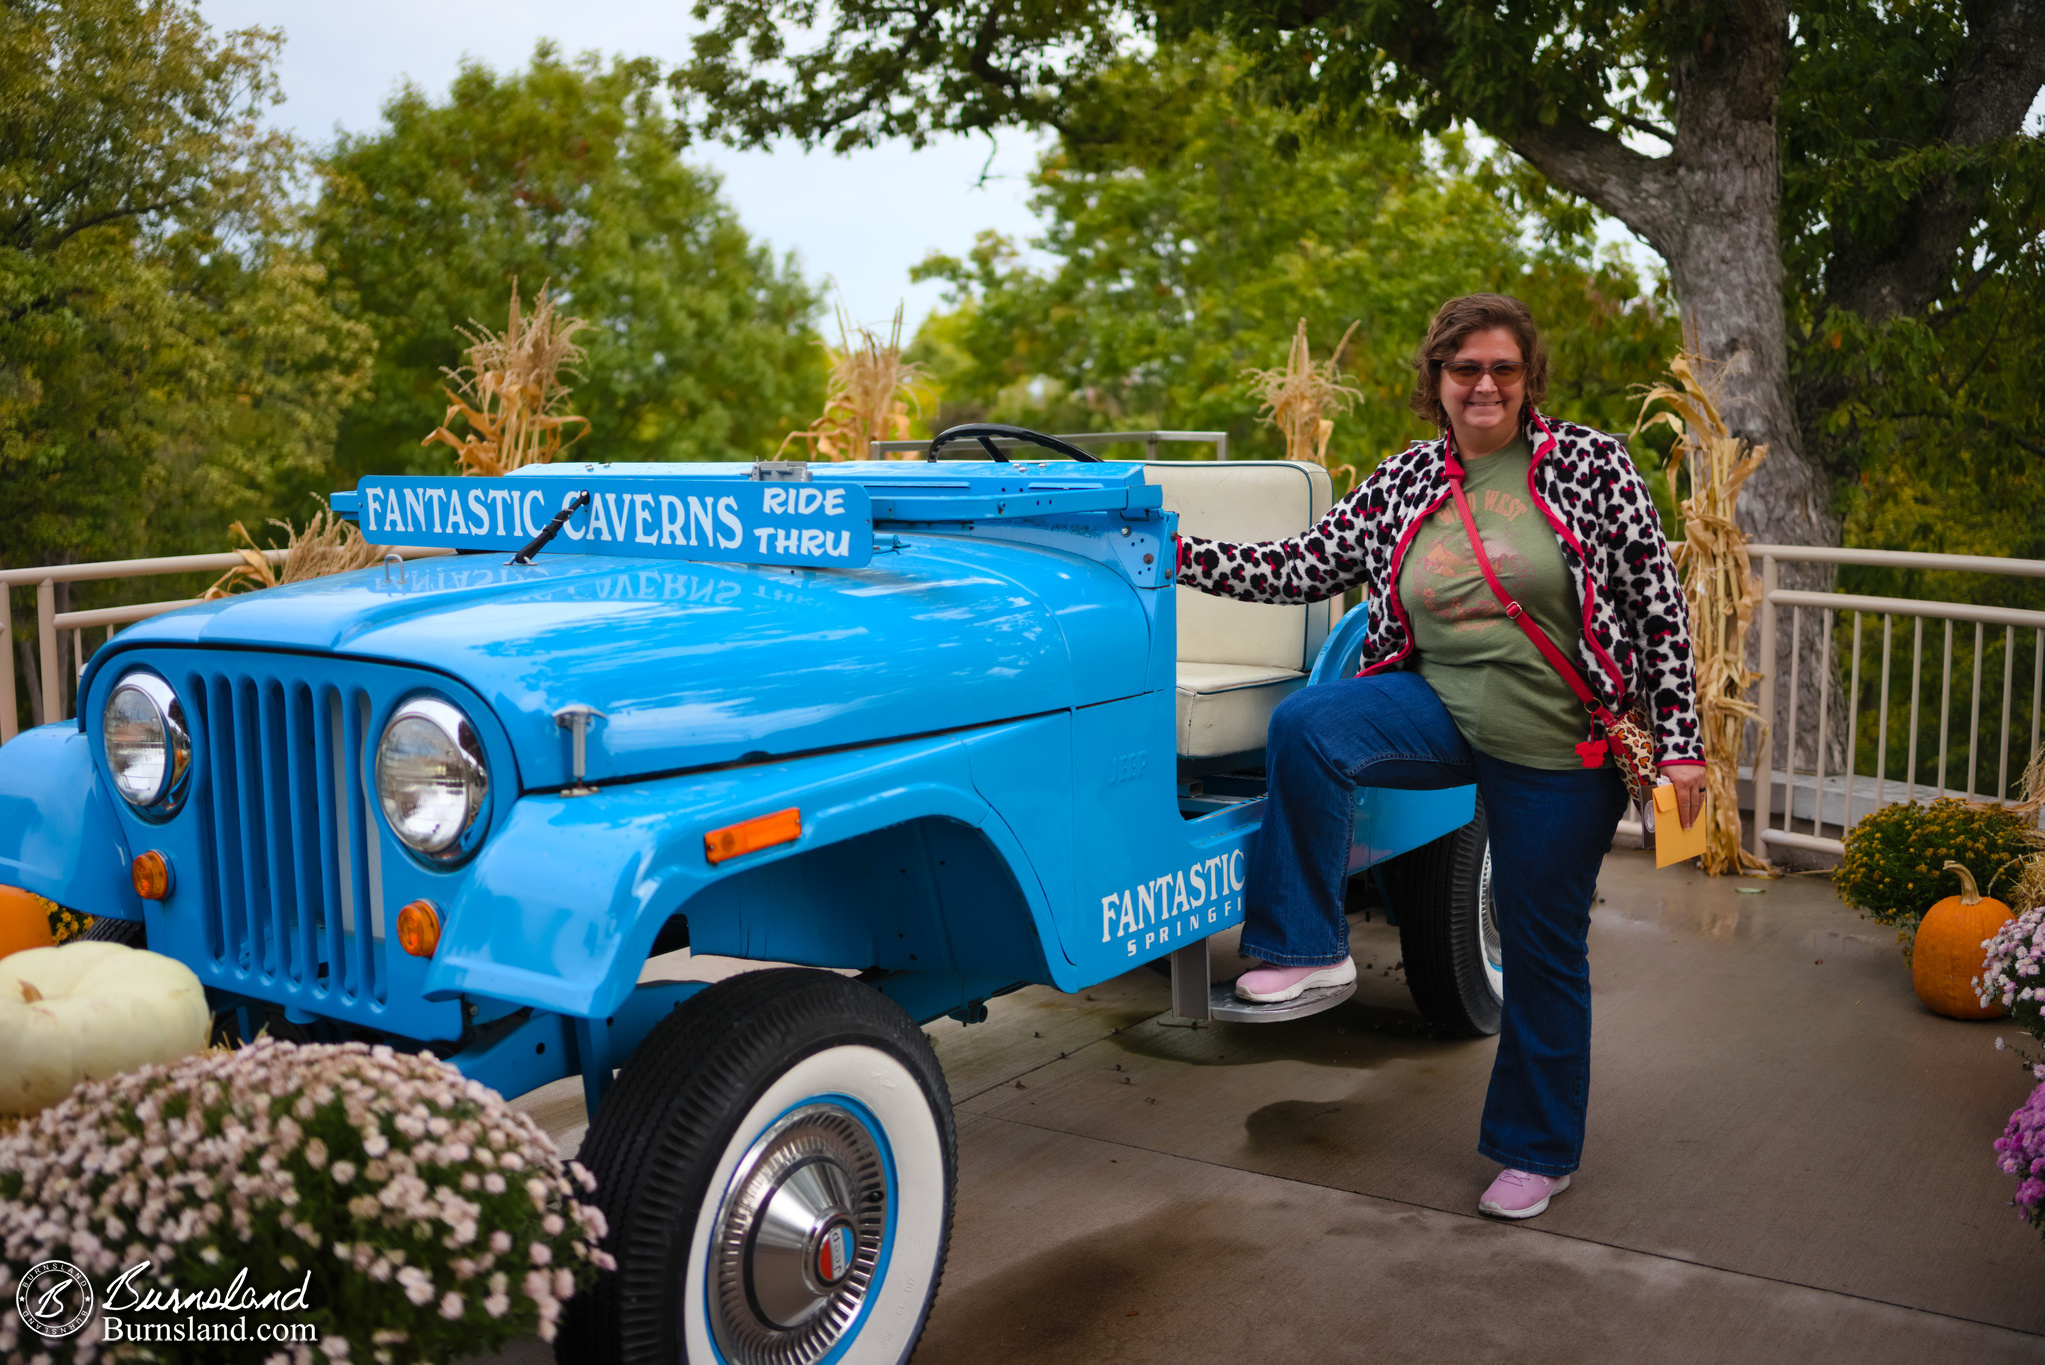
(1789, 1160)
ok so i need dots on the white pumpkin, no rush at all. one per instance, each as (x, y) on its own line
(87, 1011)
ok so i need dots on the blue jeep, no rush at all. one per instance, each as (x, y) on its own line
(945, 728)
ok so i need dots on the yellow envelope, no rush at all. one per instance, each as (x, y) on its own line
(1673, 843)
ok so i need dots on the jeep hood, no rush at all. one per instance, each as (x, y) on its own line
(700, 664)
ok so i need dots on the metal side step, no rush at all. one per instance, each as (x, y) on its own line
(1196, 996)
(1222, 1004)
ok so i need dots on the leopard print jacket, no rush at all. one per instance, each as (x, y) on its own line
(1636, 632)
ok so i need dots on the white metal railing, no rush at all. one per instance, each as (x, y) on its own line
(1804, 790)
(53, 685)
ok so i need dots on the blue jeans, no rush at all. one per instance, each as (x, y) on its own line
(1550, 829)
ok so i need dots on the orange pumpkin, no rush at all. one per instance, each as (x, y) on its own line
(24, 921)
(1948, 956)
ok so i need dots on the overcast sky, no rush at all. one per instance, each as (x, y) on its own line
(862, 220)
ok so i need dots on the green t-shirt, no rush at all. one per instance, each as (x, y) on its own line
(1508, 701)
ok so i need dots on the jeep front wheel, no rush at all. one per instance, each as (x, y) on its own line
(777, 1162)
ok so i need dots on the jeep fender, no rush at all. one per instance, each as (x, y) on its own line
(58, 834)
(562, 905)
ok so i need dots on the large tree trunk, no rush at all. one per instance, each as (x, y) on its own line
(1725, 263)
(1726, 266)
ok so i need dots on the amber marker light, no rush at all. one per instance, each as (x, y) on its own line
(151, 874)
(419, 928)
(749, 836)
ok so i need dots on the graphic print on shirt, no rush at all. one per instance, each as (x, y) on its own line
(1455, 591)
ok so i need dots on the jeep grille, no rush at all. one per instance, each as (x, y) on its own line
(293, 860)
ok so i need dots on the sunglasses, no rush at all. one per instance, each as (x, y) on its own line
(1469, 371)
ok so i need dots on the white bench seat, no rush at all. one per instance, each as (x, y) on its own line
(1226, 708)
(1238, 660)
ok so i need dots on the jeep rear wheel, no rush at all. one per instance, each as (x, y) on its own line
(1448, 930)
(777, 1162)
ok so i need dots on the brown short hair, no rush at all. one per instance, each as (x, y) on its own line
(1457, 319)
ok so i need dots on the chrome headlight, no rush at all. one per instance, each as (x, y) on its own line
(148, 749)
(431, 778)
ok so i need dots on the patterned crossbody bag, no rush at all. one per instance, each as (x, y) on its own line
(1631, 746)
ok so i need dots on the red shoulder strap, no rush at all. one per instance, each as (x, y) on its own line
(1555, 657)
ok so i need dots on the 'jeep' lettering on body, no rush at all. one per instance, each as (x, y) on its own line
(1174, 905)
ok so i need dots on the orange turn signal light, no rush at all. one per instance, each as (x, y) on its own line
(749, 836)
(419, 928)
(151, 874)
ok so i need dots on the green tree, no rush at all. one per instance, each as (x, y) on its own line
(168, 361)
(1869, 149)
(566, 174)
(1191, 228)
(1949, 449)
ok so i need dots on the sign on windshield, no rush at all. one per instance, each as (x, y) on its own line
(824, 524)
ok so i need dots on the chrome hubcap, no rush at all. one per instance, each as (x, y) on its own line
(1487, 926)
(797, 1238)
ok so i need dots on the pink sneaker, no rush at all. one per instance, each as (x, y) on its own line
(1520, 1194)
(1270, 985)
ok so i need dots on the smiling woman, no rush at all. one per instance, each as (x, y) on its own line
(1477, 552)
(1484, 368)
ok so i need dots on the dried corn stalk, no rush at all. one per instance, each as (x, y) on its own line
(327, 545)
(510, 393)
(868, 395)
(1298, 399)
(1720, 584)
(2033, 785)
(2028, 892)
